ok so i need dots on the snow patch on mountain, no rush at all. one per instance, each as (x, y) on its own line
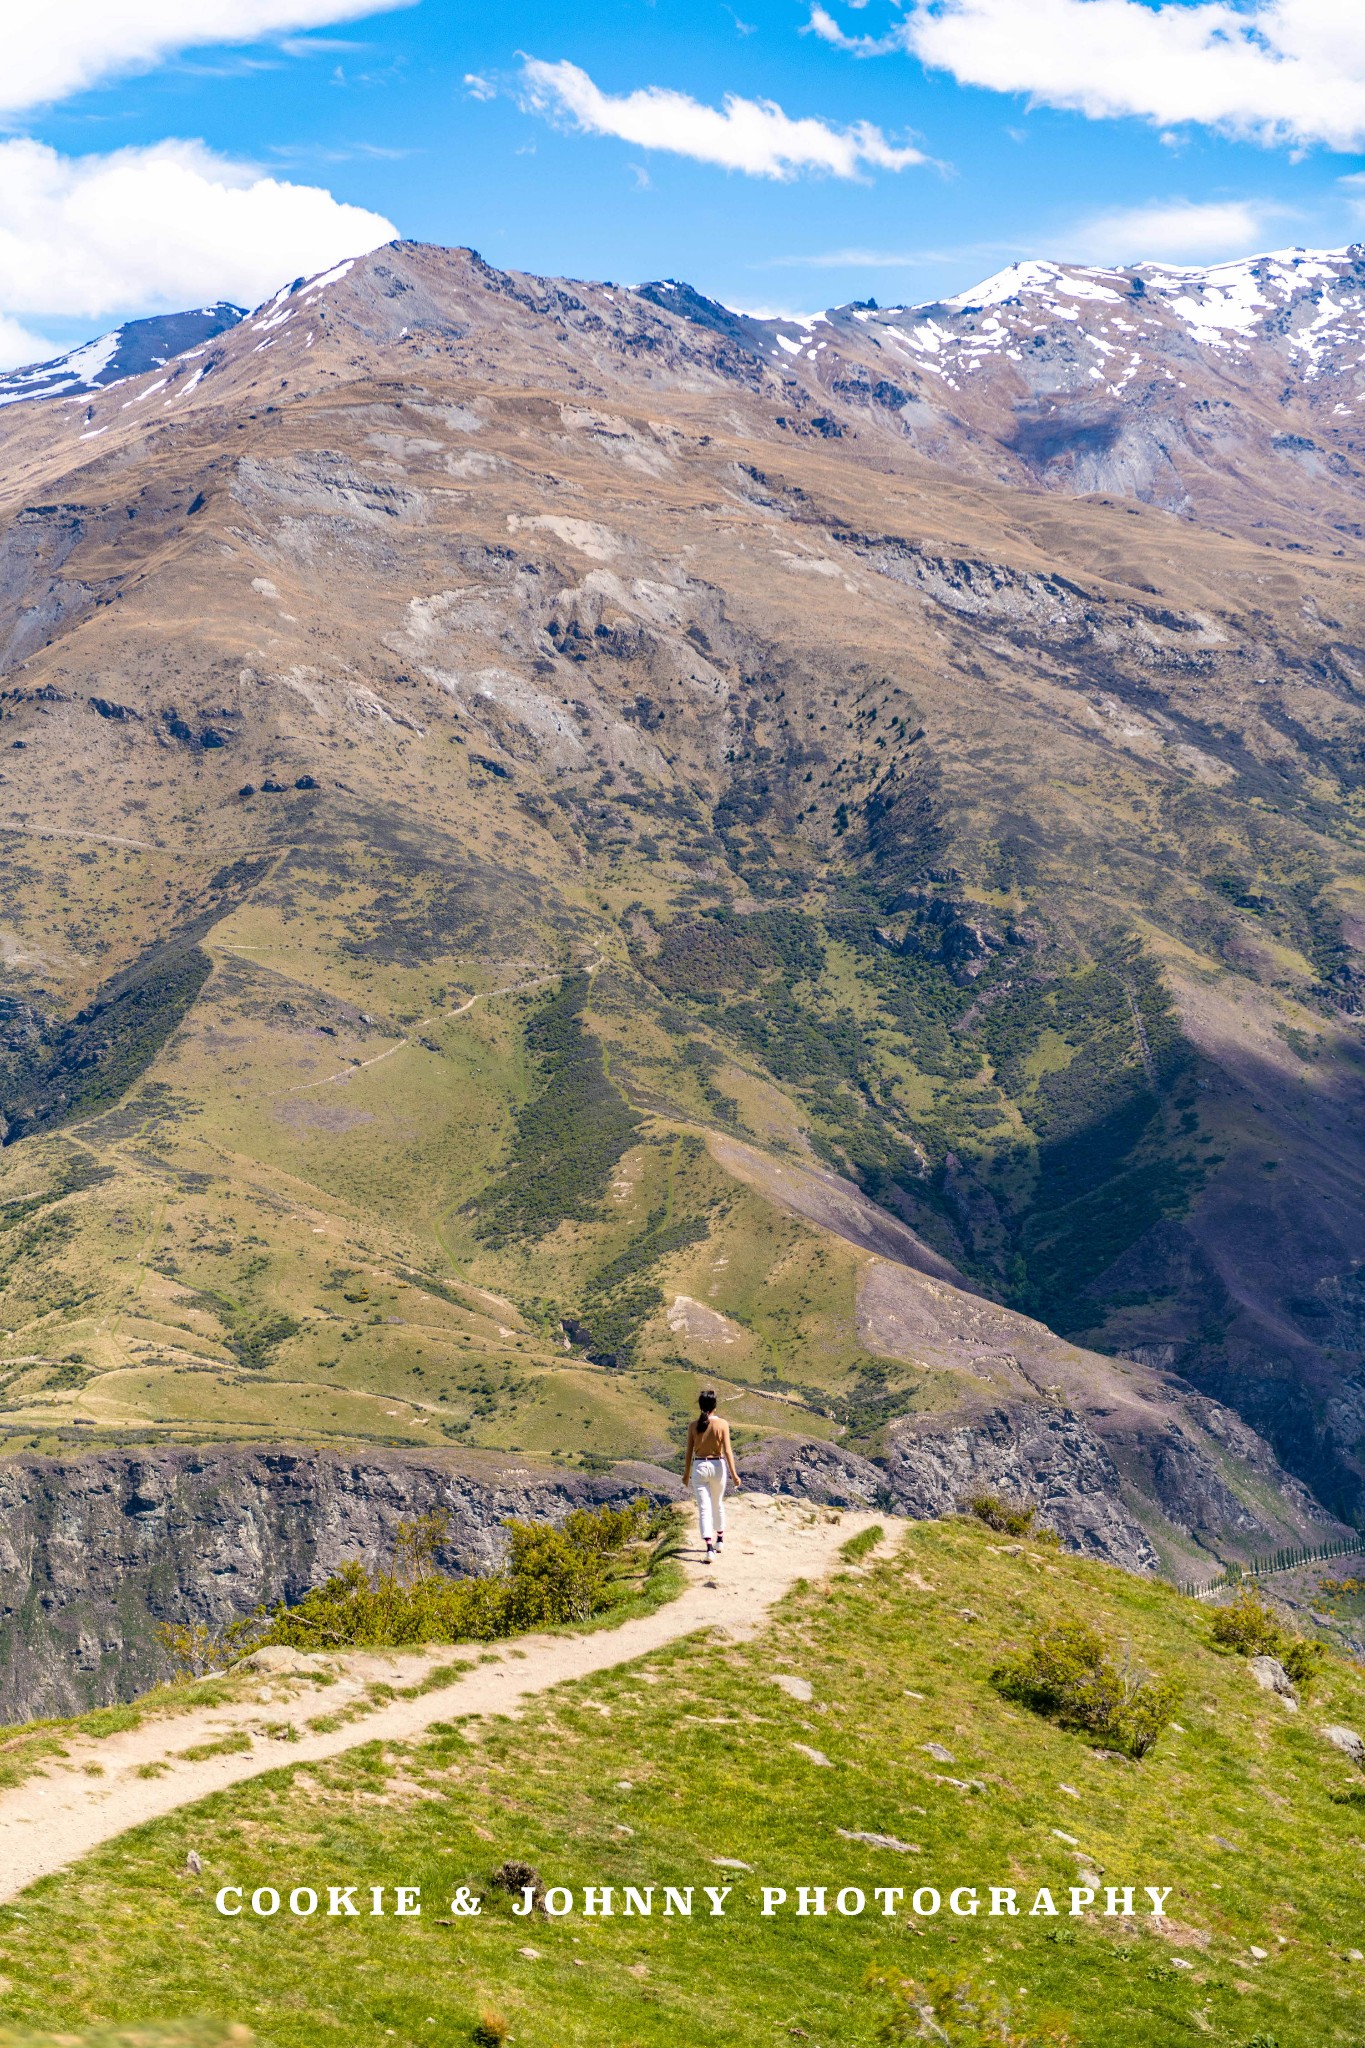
(126, 351)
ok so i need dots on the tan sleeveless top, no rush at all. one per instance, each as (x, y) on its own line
(708, 1441)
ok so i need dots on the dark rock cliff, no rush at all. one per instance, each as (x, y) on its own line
(95, 1550)
(1048, 1461)
(1145, 1498)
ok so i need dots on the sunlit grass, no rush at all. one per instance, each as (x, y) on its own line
(647, 1774)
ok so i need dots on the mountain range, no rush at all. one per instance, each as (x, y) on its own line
(559, 837)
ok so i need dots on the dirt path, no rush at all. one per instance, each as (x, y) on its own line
(513, 988)
(99, 1788)
(438, 1017)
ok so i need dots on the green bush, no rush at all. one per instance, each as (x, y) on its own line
(1248, 1626)
(196, 1647)
(1008, 1518)
(1301, 1658)
(953, 2010)
(1251, 1628)
(1071, 1673)
(554, 1575)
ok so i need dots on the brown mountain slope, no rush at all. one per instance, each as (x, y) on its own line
(466, 735)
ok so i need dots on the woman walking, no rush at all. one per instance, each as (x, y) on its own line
(710, 1461)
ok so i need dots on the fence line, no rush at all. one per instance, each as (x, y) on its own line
(1285, 1560)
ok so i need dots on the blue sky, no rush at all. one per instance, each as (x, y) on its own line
(775, 153)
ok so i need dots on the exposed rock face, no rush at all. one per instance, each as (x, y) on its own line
(1348, 1742)
(1138, 1490)
(1036, 1454)
(1164, 386)
(928, 1471)
(96, 1550)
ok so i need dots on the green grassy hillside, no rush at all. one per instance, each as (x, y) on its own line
(694, 1767)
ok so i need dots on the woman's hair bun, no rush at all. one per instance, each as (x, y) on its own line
(706, 1400)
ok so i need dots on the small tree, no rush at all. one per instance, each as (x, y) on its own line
(1070, 1672)
(195, 1647)
(1009, 1518)
(418, 1543)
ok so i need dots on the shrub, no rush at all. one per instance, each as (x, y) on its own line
(515, 1878)
(490, 2030)
(1070, 1672)
(952, 2010)
(1301, 1658)
(194, 1647)
(1250, 1627)
(1008, 1518)
(554, 1575)
(998, 1514)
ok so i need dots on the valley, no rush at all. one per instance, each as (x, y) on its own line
(557, 843)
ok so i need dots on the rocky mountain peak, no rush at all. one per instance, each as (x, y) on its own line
(1232, 392)
(123, 352)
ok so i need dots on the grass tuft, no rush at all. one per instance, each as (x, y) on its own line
(857, 1547)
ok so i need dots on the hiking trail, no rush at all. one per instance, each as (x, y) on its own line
(103, 1786)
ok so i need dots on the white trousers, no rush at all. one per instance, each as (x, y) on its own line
(709, 1478)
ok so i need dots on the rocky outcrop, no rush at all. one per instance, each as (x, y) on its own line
(1271, 1676)
(1037, 1455)
(1142, 1489)
(1025, 1453)
(96, 1550)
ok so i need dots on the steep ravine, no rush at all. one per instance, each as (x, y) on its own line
(95, 1550)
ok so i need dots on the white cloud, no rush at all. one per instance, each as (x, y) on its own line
(1273, 71)
(823, 25)
(753, 136)
(1171, 230)
(166, 226)
(851, 259)
(19, 344)
(64, 46)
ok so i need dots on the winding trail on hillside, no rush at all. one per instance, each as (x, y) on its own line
(437, 1017)
(483, 995)
(65, 1810)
